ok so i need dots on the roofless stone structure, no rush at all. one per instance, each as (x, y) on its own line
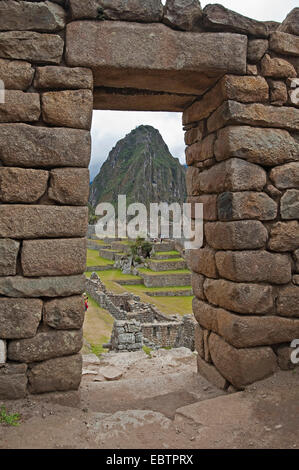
(235, 80)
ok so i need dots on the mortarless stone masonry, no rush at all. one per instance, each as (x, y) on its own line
(236, 82)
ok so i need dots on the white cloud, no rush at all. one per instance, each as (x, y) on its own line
(110, 126)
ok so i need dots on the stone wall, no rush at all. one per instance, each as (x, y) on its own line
(242, 137)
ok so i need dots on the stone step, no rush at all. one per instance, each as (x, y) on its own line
(107, 254)
(167, 265)
(166, 280)
(119, 246)
(164, 246)
(93, 245)
(166, 255)
(170, 293)
(91, 269)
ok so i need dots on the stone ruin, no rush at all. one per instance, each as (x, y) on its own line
(236, 81)
(138, 323)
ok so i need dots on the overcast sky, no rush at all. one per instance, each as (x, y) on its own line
(110, 126)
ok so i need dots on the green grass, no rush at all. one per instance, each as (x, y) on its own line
(142, 288)
(163, 273)
(98, 242)
(157, 261)
(165, 253)
(93, 259)
(148, 351)
(11, 419)
(97, 328)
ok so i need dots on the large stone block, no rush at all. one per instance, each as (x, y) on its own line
(286, 176)
(245, 331)
(231, 112)
(277, 68)
(288, 301)
(264, 146)
(31, 46)
(64, 314)
(254, 266)
(209, 202)
(256, 49)
(13, 381)
(69, 186)
(22, 145)
(284, 236)
(232, 175)
(45, 345)
(37, 221)
(197, 281)
(198, 340)
(56, 375)
(53, 257)
(9, 250)
(289, 204)
(26, 16)
(19, 318)
(241, 366)
(148, 11)
(55, 78)
(240, 298)
(246, 205)
(183, 14)
(239, 235)
(222, 19)
(201, 151)
(60, 286)
(230, 87)
(16, 74)
(203, 262)
(278, 92)
(70, 108)
(211, 373)
(20, 107)
(284, 43)
(283, 353)
(192, 181)
(154, 57)
(20, 185)
(291, 23)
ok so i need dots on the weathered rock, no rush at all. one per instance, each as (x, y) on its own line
(264, 146)
(239, 235)
(51, 77)
(284, 236)
(35, 47)
(194, 134)
(230, 87)
(284, 43)
(54, 375)
(133, 47)
(283, 353)
(291, 23)
(246, 205)
(252, 70)
(245, 331)
(9, 250)
(277, 68)
(37, 221)
(70, 108)
(231, 112)
(13, 381)
(278, 92)
(241, 366)
(111, 373)
(221, 19)
(289, 204)
(288, 301)
(19, 318)
(273, 191)
(240, 298)
(203, 262)
(69, 186)
(183, 14)
(197, 281)
(198, 340)
(45, 345)
(254, 266)
(256, 49)
(286, 176)
(20, 185)
(232, 175)
(209, 202)
(26, 16)
(60, 257)
(16, 74)
(211, 373)
(148, 11)
(295, 279)
(20, 106)
(64, 314)
(60, 286)
(201, 151)
(192, 181)
(22, 145)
